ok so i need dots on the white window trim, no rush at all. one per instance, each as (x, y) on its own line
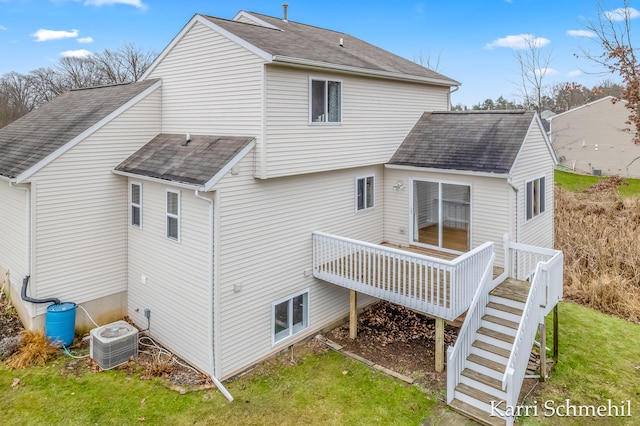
(273, 317)
(526, 198)
(176, 216)
(325, 79)
(132, 204)
(365, 209)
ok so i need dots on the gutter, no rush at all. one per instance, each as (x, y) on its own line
(449, 171)
(215, 380)
(362, 71)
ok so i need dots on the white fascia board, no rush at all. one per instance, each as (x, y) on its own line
(75, 141)
(5, 178)
(362, 71)
(447, 171)
(537, 122)
(239, 156)
(158, 180)
(204, 21)
(258, 21)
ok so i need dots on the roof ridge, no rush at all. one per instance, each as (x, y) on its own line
(240, 22)
(289, 21)
(76, 89)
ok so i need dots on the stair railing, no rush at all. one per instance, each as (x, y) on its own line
(457, 354)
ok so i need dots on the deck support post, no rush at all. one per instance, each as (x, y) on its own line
(439, 367)
(353, 314)
(542, 330)
(555, 334)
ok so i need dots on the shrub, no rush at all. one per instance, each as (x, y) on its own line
(35, 349)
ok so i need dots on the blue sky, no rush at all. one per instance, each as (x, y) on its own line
(469, 39)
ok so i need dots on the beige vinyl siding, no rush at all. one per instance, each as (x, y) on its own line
(80, 210)
(210, 85)
(265, 250)
(593, 137)
(490, 207)
(534, 160)
(376, 116)
(13, 234)
(177, 289)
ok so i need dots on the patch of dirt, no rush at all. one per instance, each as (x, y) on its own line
(10, 324)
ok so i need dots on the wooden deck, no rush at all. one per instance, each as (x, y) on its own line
(512, 289)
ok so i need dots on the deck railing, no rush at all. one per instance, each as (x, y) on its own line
(546, 279)
(443, 288)
(457, 355)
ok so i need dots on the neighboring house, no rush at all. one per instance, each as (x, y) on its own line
(259, 171)
(595, 139)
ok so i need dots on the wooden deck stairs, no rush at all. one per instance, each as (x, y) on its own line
(481, 379)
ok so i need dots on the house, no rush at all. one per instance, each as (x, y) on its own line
(266, 178)
(594, 138)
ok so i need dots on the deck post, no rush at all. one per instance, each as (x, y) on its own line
(542, 330)
(439, 367)
(353, 314)
(555, 333)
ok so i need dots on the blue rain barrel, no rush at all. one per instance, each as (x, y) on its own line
(60, 323)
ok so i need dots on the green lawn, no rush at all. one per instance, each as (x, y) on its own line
(577, 183)
(599, 360)
(321, 389)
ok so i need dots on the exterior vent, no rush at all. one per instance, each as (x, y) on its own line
(113, 344)
(597, 172)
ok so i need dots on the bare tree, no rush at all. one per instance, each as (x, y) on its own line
(533, 62)
(613, 30)
(123, 65)
(425, 60)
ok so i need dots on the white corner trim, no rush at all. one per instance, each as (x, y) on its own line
(73, 142)
(239, 156)
(258, 21)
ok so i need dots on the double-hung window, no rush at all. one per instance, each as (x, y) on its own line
(290, 316)
(326, 101)
(365, 191)
(535, 197)
(173, 215)
(136, 204)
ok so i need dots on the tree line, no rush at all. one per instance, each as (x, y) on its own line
(21, 93)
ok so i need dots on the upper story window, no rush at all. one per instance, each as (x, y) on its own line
(325, 101)
(173, 215)
(365, 190)
(136, 205)
(535, 197)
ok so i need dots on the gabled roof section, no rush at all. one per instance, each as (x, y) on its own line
(611, 99)
(295, 43)
(32, 141)
(199, 163)
(478, 141)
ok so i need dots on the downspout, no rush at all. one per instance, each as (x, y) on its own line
(516, 190)
(455, 89)
(25, 281)
(217, 382)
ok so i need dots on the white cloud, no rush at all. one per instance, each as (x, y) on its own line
(85, 40)
(81, 53)
(621, 13)
(45, 35)
(545, 72)
(576, 73)
(521, 41)
(581, 33)
(2, 27)
(135, 3)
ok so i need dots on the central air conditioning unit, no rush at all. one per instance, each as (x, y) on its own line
(113, 344)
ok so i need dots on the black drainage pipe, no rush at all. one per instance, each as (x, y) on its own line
(26, 298)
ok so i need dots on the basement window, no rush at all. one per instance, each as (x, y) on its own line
(535, 198)
(325, 101)
(290, 316)
(173, 215)
(136, 204)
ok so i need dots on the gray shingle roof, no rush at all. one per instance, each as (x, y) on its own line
(34, 136)
(167, 157)
(479, 141)
(306, 42)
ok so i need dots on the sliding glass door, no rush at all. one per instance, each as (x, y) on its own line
(441, 215)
